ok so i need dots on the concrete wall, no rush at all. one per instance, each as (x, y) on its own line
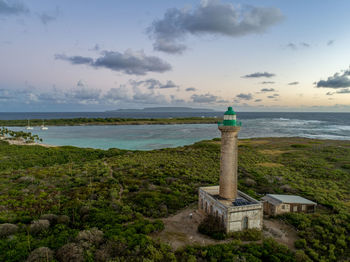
(228, 162)
(236, 220)
(232, 217)
(274, 209)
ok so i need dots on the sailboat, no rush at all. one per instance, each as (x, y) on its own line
(28, 126)
(43, 127)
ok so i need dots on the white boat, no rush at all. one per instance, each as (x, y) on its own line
(28, 126)
(43, 127)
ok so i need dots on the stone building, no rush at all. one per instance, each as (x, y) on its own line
(280, 204)
(236, 210)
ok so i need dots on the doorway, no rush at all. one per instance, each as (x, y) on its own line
(245, 223)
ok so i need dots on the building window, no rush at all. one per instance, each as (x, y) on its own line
(295, 209)
(303, 207)
(216, 213)
(283, 207)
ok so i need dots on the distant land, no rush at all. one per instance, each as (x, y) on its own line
(164, 109)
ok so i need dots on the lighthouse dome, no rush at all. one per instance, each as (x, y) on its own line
(230, 117)
(230, 111)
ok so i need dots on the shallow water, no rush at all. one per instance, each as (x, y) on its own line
(146, 137)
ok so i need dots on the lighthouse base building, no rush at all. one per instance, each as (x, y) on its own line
(234, 209)
(243, 213)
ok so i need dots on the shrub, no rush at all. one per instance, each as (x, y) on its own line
(37, 226)
(91, 237)
(213, 227)
(41, 254)
(8, 229)
(247, 235)
(300, 243)
(51, 217)
(63, 219)
(70, 252)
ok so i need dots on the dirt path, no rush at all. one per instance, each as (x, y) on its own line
(280, 231)
(181, 230)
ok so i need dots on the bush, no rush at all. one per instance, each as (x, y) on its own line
(51, 217)
(7, 229)
(91, 237)
(300, 244)
(70, 252)
(41, 254)
(37, 226)
(63, 219)
(213, 227)
(247, 235)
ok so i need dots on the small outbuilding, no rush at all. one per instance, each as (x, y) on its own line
(279, 204)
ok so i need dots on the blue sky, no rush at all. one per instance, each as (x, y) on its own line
(101, 55)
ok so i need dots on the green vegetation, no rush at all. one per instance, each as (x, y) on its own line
(212, 226)
(110, 121)
(25, 136)
(94, 205)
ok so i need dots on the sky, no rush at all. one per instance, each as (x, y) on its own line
(89, 55)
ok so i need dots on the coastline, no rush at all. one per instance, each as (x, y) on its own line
(21, 142)
(110, 121)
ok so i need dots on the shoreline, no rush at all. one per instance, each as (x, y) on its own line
(21, 142)
(241, 142)
(109, 121)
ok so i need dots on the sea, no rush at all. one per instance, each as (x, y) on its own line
(334, 126)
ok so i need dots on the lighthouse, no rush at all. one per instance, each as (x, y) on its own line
(234, 209)
(229, 154)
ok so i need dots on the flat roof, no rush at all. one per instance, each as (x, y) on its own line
(292, 199)
(213, 191)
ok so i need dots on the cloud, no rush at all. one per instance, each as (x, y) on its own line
(190, 89)
(257, 100)
(5, 95)
(338, 80)
(155, 84)
(273, 96)
(86, 95)
(267, 82)
(295, 46)
(292, 46)
(211, 17)
(259, 74)
(15, 8)
(343, 91)
(207, 98)
(81, 83)
(293, 83)
(303, 44)
(75, 60)
(268, 90)
(244, 96)
(129, 62)
(330, 42)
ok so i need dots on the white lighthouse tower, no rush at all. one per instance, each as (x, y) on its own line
(236, 210)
